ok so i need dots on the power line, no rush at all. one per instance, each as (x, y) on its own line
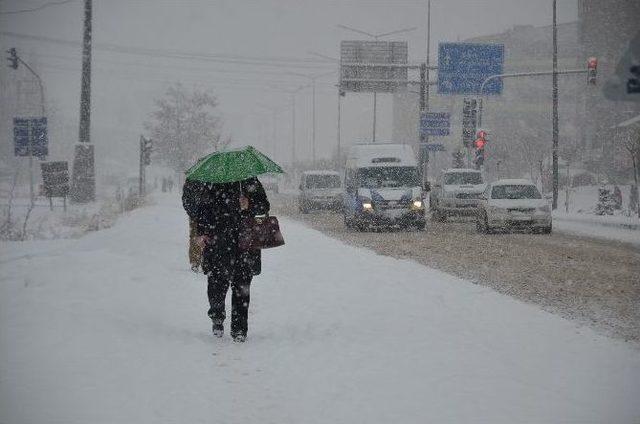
(271, 61)
(98, 60)
(42, 6)
(225, 83)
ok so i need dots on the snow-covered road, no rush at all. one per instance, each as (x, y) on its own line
(111, 328)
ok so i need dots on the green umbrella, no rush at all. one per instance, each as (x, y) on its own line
(231, 166)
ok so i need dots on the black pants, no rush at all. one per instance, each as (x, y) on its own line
(217, 291)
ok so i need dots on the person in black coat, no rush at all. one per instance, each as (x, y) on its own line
(218, 211)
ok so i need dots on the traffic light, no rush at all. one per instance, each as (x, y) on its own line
(592, 70)
(479, 144)
(469, 121)
(13, 58)
(145, 150)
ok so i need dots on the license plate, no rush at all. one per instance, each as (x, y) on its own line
(393, 213)
(520, 217)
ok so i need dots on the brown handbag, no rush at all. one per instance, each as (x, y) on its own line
(260, 233)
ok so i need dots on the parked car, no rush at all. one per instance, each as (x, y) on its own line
(320, 190)
(456, 192)
(513, 204)
(382, 187)
(270, 183)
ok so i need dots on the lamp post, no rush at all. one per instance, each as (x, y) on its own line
(375, 37)
(341, 94)
(292, 96)
(312, 79)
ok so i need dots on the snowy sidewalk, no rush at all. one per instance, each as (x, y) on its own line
(618, 228)
(111, 328)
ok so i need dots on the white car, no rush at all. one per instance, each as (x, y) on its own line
(320, 190)
(513, 204)
(456, 192)
(270, 183)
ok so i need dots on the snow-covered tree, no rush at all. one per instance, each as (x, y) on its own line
(185, 126)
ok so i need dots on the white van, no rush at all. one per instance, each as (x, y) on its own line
(382, 187)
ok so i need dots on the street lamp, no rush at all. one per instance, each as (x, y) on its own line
(292, 94)
(341, 94)
(376, 37)
(313, 79)
(274, 114)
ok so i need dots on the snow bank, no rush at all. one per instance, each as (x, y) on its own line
(112, 328)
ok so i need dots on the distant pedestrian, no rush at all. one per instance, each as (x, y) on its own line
(218, 211)
(617, 198)
(633, 198)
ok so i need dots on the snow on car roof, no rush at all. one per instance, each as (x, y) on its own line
(382, 154)
(513, 181)
(454, 170)
(321, 172)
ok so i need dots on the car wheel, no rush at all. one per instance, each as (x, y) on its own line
(420, 226)
(347, 222)
(547, 230)
(485, 225)
(480, 225)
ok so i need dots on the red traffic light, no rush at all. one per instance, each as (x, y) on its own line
(592, 70)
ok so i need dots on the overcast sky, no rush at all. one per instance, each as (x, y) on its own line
(124, 85)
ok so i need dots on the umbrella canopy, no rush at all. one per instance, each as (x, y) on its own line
(232, 166)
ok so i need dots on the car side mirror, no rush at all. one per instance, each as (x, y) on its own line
(427, 186)
(548, 196)
(438, 185)
(301, 187)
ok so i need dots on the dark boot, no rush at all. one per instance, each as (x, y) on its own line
(218, 329)
(240, 309)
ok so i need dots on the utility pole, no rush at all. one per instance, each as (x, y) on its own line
(426, 88)
(423, 107)
(293, 130)
(555, 108)
(274, 142)
(313, 120)
(83, 184)
(340, 95)
(141, 174)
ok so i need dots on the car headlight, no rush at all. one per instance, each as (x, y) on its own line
(544, 208)
(417, 204)
(367, 205)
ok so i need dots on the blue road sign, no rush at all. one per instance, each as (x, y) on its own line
(463, 67)
(433, 147)
(30, 134)
(434, 123)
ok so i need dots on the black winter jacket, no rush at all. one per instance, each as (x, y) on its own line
(215, 208)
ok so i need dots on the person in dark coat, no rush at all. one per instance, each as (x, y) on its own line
(218, 211)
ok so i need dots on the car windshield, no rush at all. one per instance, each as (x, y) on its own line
(460, 178)
(515, 192)
(397, 176)
(322, 181)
